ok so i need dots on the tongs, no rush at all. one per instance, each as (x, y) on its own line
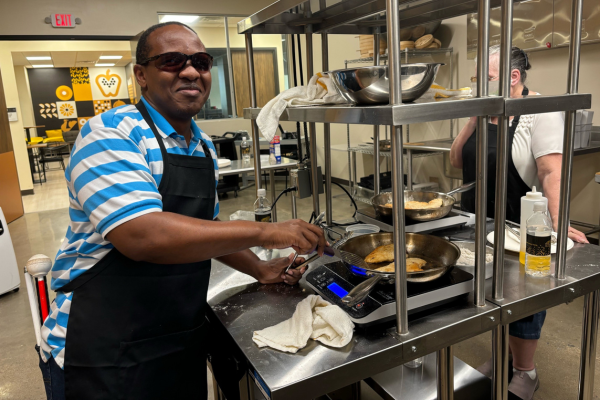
(316, 222)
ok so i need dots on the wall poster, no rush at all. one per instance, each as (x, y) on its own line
(65, 98)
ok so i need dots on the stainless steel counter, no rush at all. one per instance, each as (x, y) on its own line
(244, 306)
(525, 295)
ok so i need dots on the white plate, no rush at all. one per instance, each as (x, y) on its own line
(512, 244)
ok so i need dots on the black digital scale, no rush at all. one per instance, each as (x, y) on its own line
(333, 281)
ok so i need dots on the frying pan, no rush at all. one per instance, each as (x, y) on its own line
(440, 254)
(428, 214)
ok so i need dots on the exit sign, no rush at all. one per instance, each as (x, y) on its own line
(63, 20)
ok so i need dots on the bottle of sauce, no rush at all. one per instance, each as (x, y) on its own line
(527, 202)
(539, 242)
(262, 207)
(275, 151)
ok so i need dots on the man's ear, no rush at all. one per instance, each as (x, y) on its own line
(140, 75)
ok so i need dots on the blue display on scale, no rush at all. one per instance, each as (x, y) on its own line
(337, 289)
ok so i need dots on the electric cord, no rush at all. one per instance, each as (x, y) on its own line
(351, 199)
(286, 190)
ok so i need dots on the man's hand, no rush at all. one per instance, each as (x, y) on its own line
(272, 271)
(301, 236)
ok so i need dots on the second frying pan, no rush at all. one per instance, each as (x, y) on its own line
(426, 214)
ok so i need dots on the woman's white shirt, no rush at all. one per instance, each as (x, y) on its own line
(536, 135)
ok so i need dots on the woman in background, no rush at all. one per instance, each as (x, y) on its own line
(534, 159)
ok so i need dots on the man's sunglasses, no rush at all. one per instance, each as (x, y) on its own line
(175, 61)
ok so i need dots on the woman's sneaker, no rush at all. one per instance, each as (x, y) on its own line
(522, 385)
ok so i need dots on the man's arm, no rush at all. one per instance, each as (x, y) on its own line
(169, 238)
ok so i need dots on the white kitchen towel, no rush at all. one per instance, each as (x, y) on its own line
(315, 319)
(319, 91)
(439, 92)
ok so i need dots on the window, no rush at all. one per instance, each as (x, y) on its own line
(230, 92)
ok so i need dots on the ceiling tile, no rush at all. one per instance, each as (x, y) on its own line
(19, 59)
(64, 59)
(88, 55)
(36, 53)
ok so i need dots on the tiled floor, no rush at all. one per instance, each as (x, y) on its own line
(50, 195)
(42, 232)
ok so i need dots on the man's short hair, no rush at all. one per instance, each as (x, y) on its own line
(143, 48)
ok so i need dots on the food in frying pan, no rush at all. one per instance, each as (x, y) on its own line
(381, 254)
(420, 205)
(412, 265)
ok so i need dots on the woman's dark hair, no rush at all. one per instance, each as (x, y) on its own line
(143, 47)
(518, 60)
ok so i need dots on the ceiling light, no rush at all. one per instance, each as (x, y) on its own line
(43, 66)
(111, 57)
(42, 58)
(105, 65)
(184, 19)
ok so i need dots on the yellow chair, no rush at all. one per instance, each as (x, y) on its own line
(36, 140)
(54, 135)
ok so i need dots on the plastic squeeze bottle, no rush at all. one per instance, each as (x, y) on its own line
(527, 203)
(539, 242)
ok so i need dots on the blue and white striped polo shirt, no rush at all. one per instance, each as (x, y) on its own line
(112, 177)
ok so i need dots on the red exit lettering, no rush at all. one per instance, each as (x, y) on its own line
(62, 20)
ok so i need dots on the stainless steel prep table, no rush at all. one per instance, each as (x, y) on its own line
(243, 307)
(241, 167)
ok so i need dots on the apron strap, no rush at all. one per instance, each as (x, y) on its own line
(146, 115)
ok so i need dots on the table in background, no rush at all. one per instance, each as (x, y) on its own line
(27, 128)
(242, 167)
(32, 163)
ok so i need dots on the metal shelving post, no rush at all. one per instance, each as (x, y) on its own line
(311, 125)
(567, 162)
(393, 33)
(482, 140)
(255, 133)
(500, 332)
(326, 131)
(376, 159)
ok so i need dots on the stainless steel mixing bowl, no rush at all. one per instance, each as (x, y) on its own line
(370, 85)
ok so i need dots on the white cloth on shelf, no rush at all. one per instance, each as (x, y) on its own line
(319, 91)
(315, 319)
(223, 162)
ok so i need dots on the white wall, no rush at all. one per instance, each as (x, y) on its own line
(110, 17)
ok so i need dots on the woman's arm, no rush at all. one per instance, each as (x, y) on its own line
(459, 142)
(548, 167)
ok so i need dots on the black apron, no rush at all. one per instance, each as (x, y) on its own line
(137, 330)
(515, 188)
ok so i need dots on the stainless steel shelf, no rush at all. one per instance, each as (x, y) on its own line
(545, 104)
(366, 149)
(431, 110)
(419, 111)
(352, 16)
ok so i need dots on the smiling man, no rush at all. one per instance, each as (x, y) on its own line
(132, 274)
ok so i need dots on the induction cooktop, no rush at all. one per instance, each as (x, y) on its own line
(333, 281)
